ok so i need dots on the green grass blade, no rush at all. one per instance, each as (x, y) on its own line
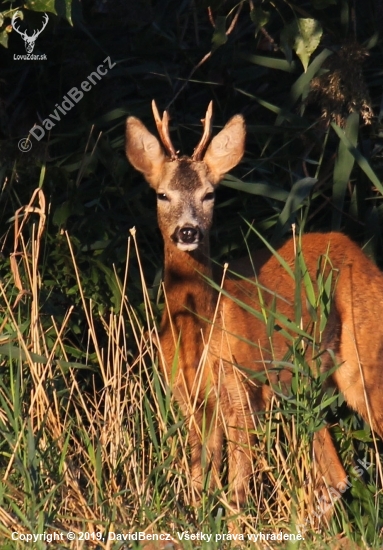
(360, 159)
(343, 167)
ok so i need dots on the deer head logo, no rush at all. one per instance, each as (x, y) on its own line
(30, 41)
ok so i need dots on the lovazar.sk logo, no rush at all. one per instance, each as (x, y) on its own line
(30, 41)
(73, 96)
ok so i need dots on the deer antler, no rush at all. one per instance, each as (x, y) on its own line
(45, 22)
(163, 130)
(207, 128)
(22, 34)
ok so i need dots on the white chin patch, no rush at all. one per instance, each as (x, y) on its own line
(187, 247)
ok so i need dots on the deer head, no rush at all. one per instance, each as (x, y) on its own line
(184, 185)
(30, 41)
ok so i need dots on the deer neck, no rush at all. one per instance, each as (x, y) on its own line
(190, 303)
(188, 292)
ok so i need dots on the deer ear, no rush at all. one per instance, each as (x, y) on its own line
(226, 148)
(144, 151)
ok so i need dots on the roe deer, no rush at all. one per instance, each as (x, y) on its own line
(208, 341)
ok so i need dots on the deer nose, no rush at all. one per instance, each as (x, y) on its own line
(189, 235)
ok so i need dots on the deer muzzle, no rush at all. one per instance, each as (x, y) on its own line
(187, 237)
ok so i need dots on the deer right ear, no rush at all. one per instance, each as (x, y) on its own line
(144, 151)
(226, 148)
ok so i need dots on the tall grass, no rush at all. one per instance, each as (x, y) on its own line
(92, 440)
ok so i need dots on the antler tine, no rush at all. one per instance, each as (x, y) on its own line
(163, 130)
(17, 29)
(207, 128)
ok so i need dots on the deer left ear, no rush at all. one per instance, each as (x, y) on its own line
(226, 149)
(144, 151)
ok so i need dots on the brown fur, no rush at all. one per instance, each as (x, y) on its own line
(218, 343)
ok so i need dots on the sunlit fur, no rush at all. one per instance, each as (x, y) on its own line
(209, 342)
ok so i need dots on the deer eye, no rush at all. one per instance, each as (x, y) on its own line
(162, 197)
(208, 197)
